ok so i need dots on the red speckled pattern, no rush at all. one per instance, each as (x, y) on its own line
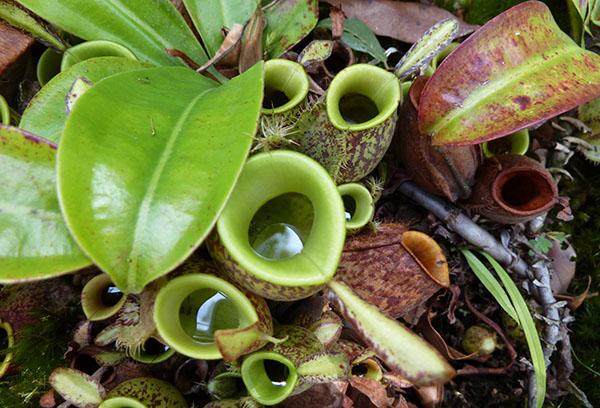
(518, 70)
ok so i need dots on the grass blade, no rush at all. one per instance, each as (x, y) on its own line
(526, 322)
(490, 282)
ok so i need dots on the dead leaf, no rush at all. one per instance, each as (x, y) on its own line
(403, 21)
(431, 396)
(432, 336)
(372, 389)
(576, 300)
(337, 21)
(325, 395)
(13, 44)
(252, 48)
(229, 51)
(563, 266)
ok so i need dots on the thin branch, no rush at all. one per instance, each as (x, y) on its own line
(458, 222)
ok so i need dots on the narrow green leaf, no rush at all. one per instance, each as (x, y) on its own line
(582, 7)
(34, 240)
(401, 349)
(146, 163)
(526, 321)
(516, 71)
(210, 16)
(19, 17)
(429, 45)
(359, 37)
(490, 283)
(45, 115)
(288, 21)
(148, 28)
(77, 387)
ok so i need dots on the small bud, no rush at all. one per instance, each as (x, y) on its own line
(479, 339)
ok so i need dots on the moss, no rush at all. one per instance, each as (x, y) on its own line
(584, 233)
(39, 350)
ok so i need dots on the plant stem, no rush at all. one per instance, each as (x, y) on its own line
(457, 221)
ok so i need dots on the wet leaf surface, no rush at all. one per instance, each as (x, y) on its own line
(156, 169)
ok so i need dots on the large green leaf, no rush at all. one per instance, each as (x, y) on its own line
(288, 21)
(146, 163)
(148, 28)
(516, 71)
(210, 16)
(45, 115)
(34, 240)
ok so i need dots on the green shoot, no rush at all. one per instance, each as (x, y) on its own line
(522, 312)
(491, 284)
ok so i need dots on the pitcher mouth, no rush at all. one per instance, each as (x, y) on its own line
(190, 308)
(524, 191)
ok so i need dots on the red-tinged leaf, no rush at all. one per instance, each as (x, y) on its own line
(516, 71)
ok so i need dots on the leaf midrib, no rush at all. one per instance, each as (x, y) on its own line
(144, 209)
(496, 86)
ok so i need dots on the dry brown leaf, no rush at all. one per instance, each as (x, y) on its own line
(325, 395)
(229, 51)
(13, 44)
(576, 300)
(372, 389)
(403, 21)
(252, 49)
(562, 268)
(432, 336)
(337, 22)
(431, 397)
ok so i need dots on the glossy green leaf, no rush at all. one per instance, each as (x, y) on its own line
(34, 240)
(210, 16)
(146, 163)
(359, 37)
(288, 21)
(77, 387)
(516, 71)
(23, 19)
(45, 115)
(148, 28)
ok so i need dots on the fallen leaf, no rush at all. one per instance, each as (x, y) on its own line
(371, 388)
(403, 21)
(13, 44)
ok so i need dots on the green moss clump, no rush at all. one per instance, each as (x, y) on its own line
(39, 350)
(584, 235)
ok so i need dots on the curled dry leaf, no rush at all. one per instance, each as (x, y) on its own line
(229, 51)
(431, 397)
(575, 301)
(436, 340)
(403, 21)
(372, 389)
